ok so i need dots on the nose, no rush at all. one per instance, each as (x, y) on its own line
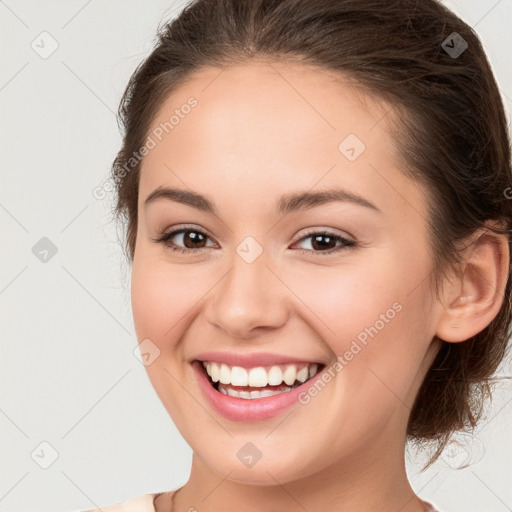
(249, 300)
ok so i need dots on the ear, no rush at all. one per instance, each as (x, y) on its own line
(474, 299)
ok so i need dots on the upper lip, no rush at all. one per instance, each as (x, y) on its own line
(252, 360)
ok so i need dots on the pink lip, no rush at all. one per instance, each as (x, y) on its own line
(241, 409)
(250, 360)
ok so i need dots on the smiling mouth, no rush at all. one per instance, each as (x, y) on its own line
(258, 382)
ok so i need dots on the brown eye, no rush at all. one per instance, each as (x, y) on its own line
(185, 240)
(193, 239)
(325, 243)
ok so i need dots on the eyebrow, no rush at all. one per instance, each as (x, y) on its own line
(287, 203)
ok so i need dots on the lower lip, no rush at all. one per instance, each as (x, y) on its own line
(241, 409)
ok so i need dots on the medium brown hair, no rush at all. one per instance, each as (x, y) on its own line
(449, 126)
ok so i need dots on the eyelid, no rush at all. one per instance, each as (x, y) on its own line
(190, 227)
(327, 231)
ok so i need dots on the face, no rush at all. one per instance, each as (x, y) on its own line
(266, 280)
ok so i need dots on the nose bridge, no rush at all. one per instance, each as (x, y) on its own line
(249, 295)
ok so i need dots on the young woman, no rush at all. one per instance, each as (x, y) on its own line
(319, 229)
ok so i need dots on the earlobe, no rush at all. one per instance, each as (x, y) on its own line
(474, 300)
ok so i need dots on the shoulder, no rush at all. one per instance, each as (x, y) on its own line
(142, 503)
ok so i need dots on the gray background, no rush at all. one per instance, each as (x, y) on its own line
(69, 376)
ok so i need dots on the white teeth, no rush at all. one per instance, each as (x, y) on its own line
(224, 373)
(250, 395)
(289, 374)
(269, 392)
(303, 374)
(260, 377)
(275, 376)
(239, 376)
(228, 391)
(213, 371)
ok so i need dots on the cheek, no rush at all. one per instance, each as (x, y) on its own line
(150, 302)
(162, 295)
(343, 301)
(367, 316)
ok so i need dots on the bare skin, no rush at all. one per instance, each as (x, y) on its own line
(259, 131)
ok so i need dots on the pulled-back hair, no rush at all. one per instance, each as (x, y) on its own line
(448, 122)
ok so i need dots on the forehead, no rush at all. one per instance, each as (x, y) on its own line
(275, 127)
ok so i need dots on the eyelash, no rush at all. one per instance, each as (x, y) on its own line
(350, 245)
